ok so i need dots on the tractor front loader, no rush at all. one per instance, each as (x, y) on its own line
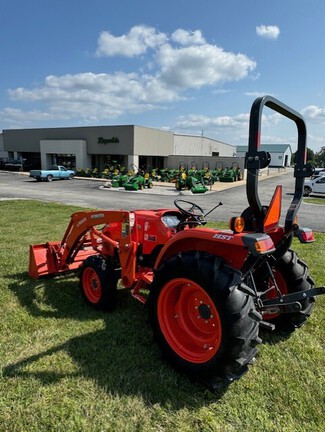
(209, 291)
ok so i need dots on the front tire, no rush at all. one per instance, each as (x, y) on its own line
(204, 323)
(98, 283)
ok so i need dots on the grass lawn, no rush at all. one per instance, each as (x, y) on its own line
(66, 367)
(315, 200)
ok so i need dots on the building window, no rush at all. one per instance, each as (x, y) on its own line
(280, 157)
(67, 160)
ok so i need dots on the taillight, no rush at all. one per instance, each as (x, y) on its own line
(259, 243)
(264, 246)
(305, 235)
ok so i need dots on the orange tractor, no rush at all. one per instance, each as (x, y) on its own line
(208, 290)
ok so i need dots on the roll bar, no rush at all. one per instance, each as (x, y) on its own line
(256, 159)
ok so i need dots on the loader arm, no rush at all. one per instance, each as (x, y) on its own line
(83, 223)
(81, 239)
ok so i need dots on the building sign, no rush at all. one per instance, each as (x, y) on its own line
(113, 140)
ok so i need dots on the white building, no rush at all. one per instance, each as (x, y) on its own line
(281, 154)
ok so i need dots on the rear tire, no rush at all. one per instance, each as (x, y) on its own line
(49, 178)
(204, 323)
(98, 283)
(292, 276)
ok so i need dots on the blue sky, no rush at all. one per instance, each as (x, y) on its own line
(187, 66)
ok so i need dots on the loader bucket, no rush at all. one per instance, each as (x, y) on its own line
(44, 260)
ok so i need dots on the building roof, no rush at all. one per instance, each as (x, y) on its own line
(271, 148)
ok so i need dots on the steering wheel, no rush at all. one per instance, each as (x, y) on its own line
(190, 213)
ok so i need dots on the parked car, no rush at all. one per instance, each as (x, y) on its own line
(318, 173)
(54, 172)
(316, 185)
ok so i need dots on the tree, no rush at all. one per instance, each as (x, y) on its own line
(310, 157)
(320, 158)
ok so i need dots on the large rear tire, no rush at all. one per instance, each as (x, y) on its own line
(292, 276)
(202, 317)
(98, 283)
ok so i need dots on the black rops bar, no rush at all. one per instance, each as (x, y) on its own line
(256, 159)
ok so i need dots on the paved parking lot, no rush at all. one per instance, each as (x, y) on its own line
(91, 194)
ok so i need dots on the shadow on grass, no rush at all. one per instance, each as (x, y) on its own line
(121, 358)
(273, 338)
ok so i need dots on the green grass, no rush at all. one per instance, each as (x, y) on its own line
(314, 200)
(65, 367)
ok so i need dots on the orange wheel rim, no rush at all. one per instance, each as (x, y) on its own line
(189, 320)
(91, 285)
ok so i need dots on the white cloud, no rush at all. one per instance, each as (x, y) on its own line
(184, 37)
(231, 129)
(135, 43)
(257, 94)
(176, 65)
(268, 32)
(197, 122)
(313, 112)
(93, 97)
(198, 65)
(19, 117)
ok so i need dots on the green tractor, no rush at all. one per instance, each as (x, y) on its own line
(123, 176)
(192, 172)
(217, 171)
(139, 181)
(119, 180)
(188, 182)
(231, 174)
(166, 175)
(205, 175)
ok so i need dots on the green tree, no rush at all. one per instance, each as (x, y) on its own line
(320, 158)
(310, 157)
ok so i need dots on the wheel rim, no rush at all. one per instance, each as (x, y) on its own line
(189, 320)
(91, 285)
(282, 285)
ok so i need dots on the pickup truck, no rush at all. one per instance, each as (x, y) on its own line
(54, 172)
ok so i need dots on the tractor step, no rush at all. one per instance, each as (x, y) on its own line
(145, 279)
